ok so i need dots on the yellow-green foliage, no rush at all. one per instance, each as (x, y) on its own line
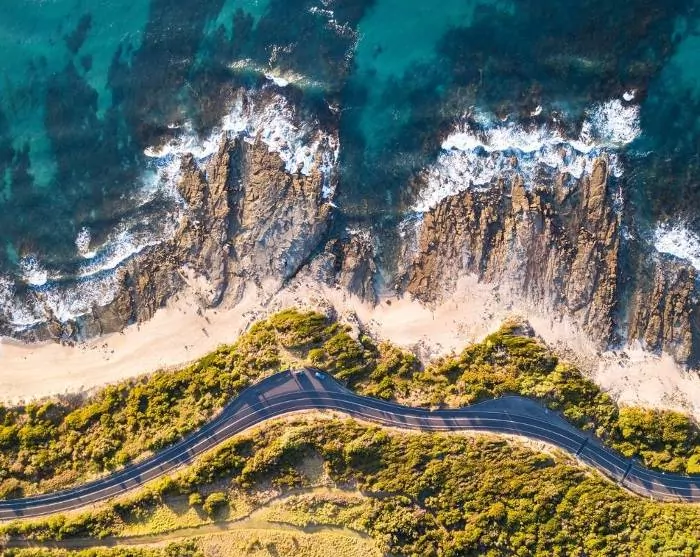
(437, 494)
(57, 443)
(666, 440)
(53, 444)
(214, 503)
(182, 549)
(508, 363)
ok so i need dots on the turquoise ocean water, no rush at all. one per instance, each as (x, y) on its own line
(87, 86)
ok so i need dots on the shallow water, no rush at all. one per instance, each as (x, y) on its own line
(87, 88)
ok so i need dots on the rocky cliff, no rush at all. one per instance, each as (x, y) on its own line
(663, 312)
(246, 219)
(557, 248)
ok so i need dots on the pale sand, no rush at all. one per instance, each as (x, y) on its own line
(179, 334)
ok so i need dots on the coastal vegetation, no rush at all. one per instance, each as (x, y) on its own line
(55, 443)
(419, 494)
(172, 550)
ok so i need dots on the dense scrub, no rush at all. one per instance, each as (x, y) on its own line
(507, 362)
(184, 549)
(426, 494)
(52, 444)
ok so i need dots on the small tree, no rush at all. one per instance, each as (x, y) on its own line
(214, 503)
(195, 499)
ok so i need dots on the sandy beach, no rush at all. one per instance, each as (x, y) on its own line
(181, 332)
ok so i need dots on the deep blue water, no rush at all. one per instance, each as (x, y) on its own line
(86, 86)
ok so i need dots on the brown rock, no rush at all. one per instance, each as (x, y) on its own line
(557, 249)
(663, 312)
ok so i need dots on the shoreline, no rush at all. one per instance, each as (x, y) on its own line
(181, 332)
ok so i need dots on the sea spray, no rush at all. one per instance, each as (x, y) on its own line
(483, 149)
(679, 241)
(157, 208)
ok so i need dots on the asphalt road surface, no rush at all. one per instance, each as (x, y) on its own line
(308, 390)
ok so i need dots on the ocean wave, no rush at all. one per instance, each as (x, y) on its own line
(679, 241)
(63, 301)
(82, 243)
(49, 294)
(157, 207)
(298, 143)
(14, 310)
(126, 241)
(33, 272)
(483, 149)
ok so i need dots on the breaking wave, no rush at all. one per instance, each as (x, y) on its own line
(482, 149)
(40, 293)
(679, 241)
(301, 145)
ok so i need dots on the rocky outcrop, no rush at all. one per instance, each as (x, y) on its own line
(663, 312)
(201, 241)
(355, 266)
(557, 247)
(277, 219)
(245, 219)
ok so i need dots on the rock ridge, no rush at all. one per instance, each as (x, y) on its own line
(557, 247)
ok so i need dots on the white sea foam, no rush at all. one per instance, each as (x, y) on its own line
(615, 124)
(678, 240)
(14, 310)
(33, 272)
(302, 146)
(94, 284)
(64, 301)
(297, 143)
(127, 241)
(483, 149)
(69, 300)
(82, 243)
(277, 80)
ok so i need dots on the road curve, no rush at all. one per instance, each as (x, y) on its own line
(288, 392)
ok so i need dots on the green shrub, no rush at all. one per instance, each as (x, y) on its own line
(195, 499)
(54, 444)
(425, 494)
(214, 503)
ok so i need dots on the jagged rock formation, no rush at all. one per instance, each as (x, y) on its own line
(277, 219)
(558, 248)
(355, 266)
(664, 309)
(246, 219)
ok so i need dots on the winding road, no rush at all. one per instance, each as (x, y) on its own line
(301, 390)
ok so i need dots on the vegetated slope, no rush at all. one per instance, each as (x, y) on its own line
(52, 444)
(422, 494)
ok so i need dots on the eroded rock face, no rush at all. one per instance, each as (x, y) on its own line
(245, 219)
(355, 264)
(277, 219)
(558, 249)
(664, 310)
